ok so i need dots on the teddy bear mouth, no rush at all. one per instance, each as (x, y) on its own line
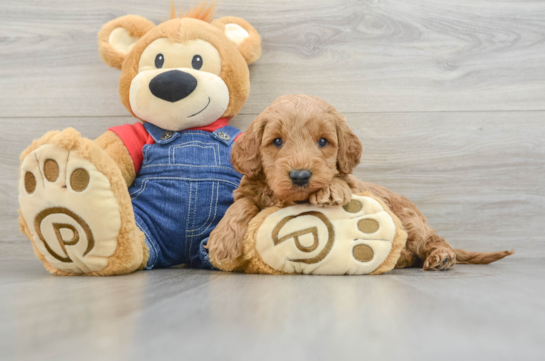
(200, 111)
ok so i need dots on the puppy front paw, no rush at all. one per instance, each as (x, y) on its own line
(224, 246)
(337, 193)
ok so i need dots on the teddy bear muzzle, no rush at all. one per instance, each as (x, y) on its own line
(179, 98)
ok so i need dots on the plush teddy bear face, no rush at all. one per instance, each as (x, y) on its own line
(184, 72)
(180, 81)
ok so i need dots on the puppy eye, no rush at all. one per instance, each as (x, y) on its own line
(159, 61)
(323, 142)
(196, 62)
(278, 142)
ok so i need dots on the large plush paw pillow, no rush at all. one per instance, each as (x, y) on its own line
(362, 237)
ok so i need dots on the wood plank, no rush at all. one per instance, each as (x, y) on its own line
(478, 176)
(493, 312)
(362, 56)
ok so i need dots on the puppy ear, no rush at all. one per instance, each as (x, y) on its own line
(246, 156)
(350, 148)
(242, 34)
(117, 37)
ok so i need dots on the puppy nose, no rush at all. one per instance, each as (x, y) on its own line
(300, 177)
(172, 85)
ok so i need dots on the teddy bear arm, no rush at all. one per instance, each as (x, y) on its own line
(115, 148)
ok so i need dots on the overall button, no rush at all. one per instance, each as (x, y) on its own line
(167, 135)
(224, 135)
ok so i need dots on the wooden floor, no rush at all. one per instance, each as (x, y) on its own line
(494, 312)
(448, 98)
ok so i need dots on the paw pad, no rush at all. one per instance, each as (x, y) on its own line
(30, 182)
(368, 226)
(51, 170)
(79, 180)
(354, 206)
(363, 253)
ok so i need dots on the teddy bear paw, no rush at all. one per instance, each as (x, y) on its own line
(69, 208)
(353, 239)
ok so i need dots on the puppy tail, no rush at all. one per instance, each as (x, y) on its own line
(466, 257)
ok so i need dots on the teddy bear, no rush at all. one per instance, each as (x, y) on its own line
(145, 195)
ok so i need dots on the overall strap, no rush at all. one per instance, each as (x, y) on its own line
(226, 135)
(160, 136)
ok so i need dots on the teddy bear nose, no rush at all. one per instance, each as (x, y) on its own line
(172, 85)
(300, 177)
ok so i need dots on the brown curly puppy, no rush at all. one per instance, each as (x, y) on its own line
(300, 149)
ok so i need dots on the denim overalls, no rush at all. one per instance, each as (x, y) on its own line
(182, 191)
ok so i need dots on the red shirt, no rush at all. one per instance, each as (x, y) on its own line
(135, 136)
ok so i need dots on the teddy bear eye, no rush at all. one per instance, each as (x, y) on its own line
(323, 142)
(196, 62)
(159, 61)
(278, 142)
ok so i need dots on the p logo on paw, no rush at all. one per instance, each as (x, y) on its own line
(361, 237)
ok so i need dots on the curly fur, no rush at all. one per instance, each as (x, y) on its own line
(301, 120)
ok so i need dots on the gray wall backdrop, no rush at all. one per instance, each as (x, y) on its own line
(448, 97)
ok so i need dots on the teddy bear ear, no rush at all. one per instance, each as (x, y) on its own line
(117, 37)
(243, 35)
